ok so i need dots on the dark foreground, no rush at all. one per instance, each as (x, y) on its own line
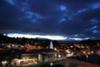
(66, 63)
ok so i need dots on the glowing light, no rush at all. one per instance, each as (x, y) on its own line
(77, 38)
(51, 37)
(62, 8)
(70, 54)
(4, 62)
(59, 56)
(67, 51)
(51, 64)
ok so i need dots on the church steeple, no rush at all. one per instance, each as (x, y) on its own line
(51, 45)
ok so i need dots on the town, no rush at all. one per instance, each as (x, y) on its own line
(23, 51)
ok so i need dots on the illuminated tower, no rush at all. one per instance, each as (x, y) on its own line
(39, 57)
(51, 45)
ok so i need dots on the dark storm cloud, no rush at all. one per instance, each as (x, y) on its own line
(66, 17)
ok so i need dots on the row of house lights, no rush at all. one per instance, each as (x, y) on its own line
(30, 47)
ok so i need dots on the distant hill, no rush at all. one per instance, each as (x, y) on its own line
(5, 39)
(2, 36)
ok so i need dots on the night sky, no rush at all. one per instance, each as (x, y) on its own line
(73, 18)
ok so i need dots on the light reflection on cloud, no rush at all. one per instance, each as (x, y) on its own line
(51, 37)
(12, 2)
(63, 8)
(95, 5)
(25, 8)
